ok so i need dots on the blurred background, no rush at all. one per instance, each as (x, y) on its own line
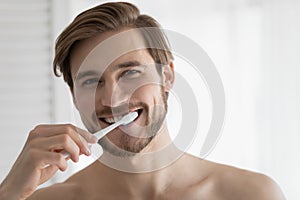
(254, 44)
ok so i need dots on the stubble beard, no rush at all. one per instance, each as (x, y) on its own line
(130, 148)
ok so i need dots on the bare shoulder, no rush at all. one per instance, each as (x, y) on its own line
(228, 182)
(57, 191)
(235, 183)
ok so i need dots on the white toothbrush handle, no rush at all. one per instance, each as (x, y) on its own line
(103, 132)
(99, 134)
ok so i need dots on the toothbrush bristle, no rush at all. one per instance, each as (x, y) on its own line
(129, 118)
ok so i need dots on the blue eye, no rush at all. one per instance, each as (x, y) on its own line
(90, 81)
(131, 72)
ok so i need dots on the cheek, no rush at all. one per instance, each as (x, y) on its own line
(149, 94)
(85, 103)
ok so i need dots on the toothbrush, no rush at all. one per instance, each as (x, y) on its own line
(127, 119)
(123, 121)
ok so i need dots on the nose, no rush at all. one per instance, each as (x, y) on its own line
(112, 95)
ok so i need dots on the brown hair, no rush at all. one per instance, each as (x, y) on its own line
(108, 17)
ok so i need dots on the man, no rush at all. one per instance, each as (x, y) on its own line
(115, 64)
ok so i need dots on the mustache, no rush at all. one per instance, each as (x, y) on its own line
(119, 110)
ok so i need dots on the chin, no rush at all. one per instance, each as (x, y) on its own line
(125, 146)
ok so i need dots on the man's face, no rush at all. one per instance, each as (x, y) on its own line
(129, 83)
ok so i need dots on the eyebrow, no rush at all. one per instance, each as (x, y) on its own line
(128, 64)
(118, 66)
(86, 73)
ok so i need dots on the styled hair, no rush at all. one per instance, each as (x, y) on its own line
(108, 17)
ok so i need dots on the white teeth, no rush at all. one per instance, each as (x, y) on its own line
(111, 120)
(118, 118)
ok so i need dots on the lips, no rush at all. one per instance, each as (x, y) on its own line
(116, 117)
(111, 120)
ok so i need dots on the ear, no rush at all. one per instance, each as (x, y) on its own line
(168, 73)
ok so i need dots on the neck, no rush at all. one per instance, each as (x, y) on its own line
(152, 168)
(156, 155)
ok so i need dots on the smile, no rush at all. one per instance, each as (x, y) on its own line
(117, 117)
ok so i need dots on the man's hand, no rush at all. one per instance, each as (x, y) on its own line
(41, 158)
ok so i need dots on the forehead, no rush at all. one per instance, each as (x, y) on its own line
(107, 49)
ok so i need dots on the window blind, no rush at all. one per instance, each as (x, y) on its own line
(25, 73)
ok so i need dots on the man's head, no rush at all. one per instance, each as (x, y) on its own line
(106, 86)
(103, 18)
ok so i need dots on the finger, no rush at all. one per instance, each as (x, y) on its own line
(53, 158)
(66, 143)
(38, 159)
(48, 130)
(90, 138)
(71, 130)
(81, 141)
(57, 144)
